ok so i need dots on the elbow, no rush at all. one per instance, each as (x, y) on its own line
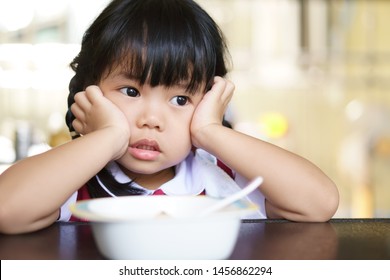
(325, 207)
(7, 223)
(319, 208)
(319, 205)
(12, 223)
(324, 214)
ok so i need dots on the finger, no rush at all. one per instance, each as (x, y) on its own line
(93, 94)
(229, 91)
(223, 89)
(230, 87)
(77, 111)
(218, 85)
(79, 122)
(82, 101)
(78, 126)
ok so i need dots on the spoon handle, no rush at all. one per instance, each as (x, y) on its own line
(255, 183)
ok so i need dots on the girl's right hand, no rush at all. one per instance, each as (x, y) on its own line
(94, 112)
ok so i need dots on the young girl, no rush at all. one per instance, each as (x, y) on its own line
(146, 110)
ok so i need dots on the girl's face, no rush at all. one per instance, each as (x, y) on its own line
(159, 119)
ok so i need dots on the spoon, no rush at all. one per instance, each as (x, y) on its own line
(254, 184)
(218, 205)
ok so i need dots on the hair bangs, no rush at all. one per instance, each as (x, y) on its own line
(158, 42)
(167, 50)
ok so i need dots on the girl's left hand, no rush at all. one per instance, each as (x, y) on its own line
(211, 109)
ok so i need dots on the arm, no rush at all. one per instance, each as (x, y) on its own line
(294, 188)
(33, 190)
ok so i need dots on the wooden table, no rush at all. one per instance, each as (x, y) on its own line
(364, 239)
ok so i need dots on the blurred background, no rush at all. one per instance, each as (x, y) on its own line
(312, 76)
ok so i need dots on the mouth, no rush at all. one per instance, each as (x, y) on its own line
(148, 145)
(145, 150)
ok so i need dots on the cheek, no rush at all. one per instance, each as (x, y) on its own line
(122, 103)
(117, 99)
(181, 126)
(180, 129)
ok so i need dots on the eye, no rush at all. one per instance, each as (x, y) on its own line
(130, 91)
(180, 100)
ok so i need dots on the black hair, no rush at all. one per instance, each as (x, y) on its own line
(159, 42)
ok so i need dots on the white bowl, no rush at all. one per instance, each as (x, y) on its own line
(140, 227)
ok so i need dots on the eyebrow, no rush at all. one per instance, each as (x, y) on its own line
(123, 74)
(115, 75)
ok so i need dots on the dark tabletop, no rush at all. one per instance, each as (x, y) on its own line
(258, 239)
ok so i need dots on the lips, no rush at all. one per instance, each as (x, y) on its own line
(148, 145)
(146, 150)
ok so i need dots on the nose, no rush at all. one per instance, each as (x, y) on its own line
(150, 117)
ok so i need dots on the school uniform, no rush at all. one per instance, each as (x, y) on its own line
(200, 173)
